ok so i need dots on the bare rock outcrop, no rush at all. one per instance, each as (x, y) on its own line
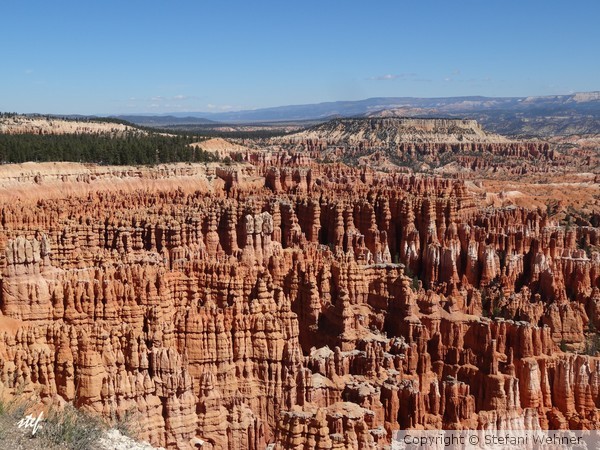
(321, 306)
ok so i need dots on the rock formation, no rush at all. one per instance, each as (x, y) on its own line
(309, 306)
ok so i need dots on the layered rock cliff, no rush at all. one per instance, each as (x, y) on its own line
(305, 306)
(396, 130)
(451, 146)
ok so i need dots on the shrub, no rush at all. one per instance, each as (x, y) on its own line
(72, 428)
(66, 428)
(592, 344)
(563, 346)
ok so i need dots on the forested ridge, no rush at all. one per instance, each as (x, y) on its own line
(133, 148)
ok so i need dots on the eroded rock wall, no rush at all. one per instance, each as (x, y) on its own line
(322, 307)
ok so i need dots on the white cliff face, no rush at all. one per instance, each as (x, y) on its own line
(395, 130)
(42, 125)
(114, 440)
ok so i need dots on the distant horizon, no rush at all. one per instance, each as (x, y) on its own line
(348, 101)
(159, 57)
(180, 113)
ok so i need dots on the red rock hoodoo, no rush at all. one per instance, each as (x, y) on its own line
(305, 305)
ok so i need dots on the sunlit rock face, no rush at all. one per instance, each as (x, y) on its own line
(305, 305)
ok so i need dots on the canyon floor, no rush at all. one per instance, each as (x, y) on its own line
(321, 289)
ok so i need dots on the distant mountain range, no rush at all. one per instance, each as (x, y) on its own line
(556, 114)
(161, 121)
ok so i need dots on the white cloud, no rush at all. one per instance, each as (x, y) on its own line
(175, 103)
(212, 107)
(394, 76)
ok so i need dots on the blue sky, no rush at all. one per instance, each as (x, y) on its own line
(104, 57)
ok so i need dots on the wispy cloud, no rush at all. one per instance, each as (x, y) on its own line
(393, 76)
(467, 80)
(28, 71)
(175, 103)
(211, 107)
(178, 97)
(387, 76)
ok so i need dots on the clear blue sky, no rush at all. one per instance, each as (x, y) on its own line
(101, 57)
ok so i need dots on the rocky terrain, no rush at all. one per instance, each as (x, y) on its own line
(451, 147)
(545, 116)
(385, 132)
(48, 125)
(308, 304)
(220, 147)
